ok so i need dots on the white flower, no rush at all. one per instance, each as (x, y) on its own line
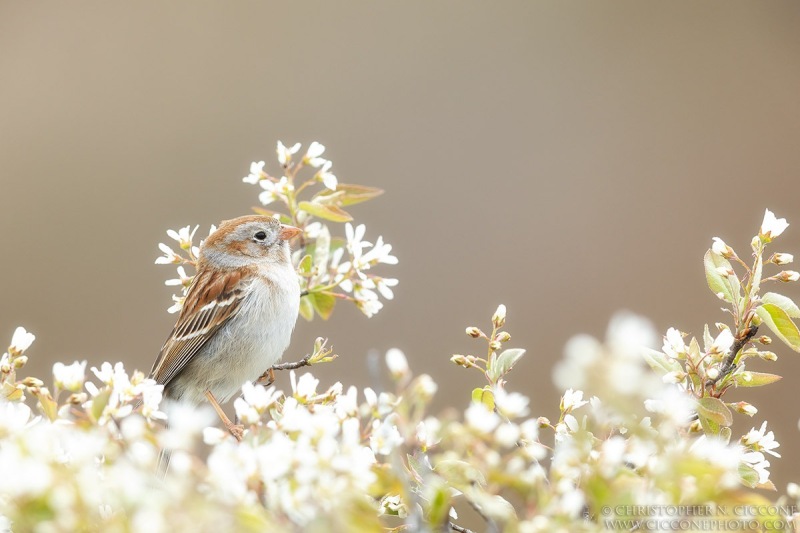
(21, 340)
(760, 441)
(428, 432)
(259, 397)
(397, 363)
(385, 437)
(285, 154)
(184, 236)
(720, 248)
(759, 463)
(169, 256)
(383, 285)
(326, 177)
(14, 416)
(572, 400)
(304, 388)
(274, 190)
(378, 254)
(771, 227)
(507, 434)
(722, 344)
(355, 244)
(70, 377)
(256, 173)
(213, 436)
(369, 307)
(152, 394)
(182, 279)
(177, 305)
(510, 404)
(673, 343)
(481, 418)
(312, 157)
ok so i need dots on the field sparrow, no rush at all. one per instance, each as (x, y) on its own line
(238, 315)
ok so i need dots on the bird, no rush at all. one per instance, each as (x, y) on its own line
(238, 315)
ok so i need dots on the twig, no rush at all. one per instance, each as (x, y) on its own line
(738, 344)
(293, 366)
(456, 527)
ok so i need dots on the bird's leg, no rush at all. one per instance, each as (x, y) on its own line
(236, 430)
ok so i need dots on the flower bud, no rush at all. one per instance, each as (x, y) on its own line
(31, 381)
(768, 356)
(725, 271)
(5, 368)
(499, 317)
(781, 258)
(460, 360)
(720, 248)
(788, 275)
(745, 408)
(474, 332)
(695, 427)
(503, 336)
(20, 361)
(764, 339)
(543, 421)
(712, 373)
(495, 345)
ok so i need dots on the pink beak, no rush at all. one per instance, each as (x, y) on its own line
(287, 232)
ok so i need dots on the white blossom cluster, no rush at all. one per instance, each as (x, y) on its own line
(329, 268)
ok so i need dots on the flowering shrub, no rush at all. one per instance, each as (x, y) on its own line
(636, 428)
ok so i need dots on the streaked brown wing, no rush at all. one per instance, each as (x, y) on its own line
(211, 301)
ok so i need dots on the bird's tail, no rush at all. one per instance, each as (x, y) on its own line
(163, 463)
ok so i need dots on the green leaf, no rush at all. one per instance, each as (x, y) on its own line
(505, 362)
(725, 434)
(48, 405)
(12, 393)
(484, 396)
(99, 403)
(784, 302)
(327, 212)
(748, 475)
(715, 410)
(709, 426)
(438, 501)
(718, 283)
(355, 194)
(460, 474)
(307, 307)
(659, 361)
(780, 324)
(754, 379)
(323, 303)
(305, 264)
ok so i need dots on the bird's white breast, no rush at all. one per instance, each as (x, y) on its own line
(254, 339)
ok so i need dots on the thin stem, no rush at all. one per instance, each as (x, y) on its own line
(293, 366)
(456, 527)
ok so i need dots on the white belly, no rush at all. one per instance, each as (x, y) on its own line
(247, 345)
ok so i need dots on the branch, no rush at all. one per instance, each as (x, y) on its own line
(293, 366)
(738, 344)
(456, 527)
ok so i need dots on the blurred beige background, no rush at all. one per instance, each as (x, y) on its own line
(567, 159)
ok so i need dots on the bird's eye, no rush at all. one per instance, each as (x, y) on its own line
(260, 236)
